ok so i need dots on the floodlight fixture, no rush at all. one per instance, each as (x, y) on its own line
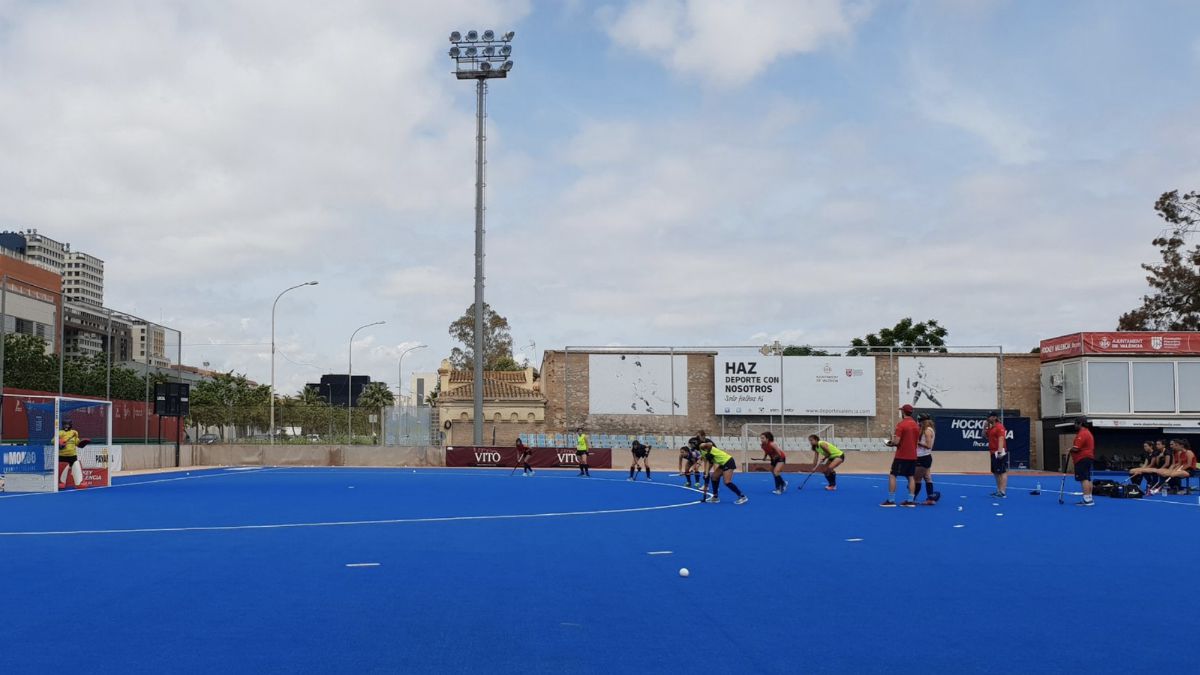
(506, 50)
(472, 51)
(489, 51)
(485, 66)
(509, 36)
(489, 35)
(456, 36)
(454, 52)
(507, 66)
(472, 36)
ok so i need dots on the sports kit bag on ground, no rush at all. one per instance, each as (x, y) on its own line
(1127, 491)
(1105, 488)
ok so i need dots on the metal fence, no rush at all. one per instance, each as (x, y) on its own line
(311, 424)
(408, 426)
(649, 390)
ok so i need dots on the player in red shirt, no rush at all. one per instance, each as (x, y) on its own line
(997, 437)
(1083, 453)
(766, 440)
(904, 439)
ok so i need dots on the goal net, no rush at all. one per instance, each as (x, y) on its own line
(40, 435)
(791, 438)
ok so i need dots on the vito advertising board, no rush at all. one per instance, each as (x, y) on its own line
(542, 458)
(748, 383)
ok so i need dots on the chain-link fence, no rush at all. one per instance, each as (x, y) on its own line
(311, 424)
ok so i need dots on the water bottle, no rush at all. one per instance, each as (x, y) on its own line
(1039, 486)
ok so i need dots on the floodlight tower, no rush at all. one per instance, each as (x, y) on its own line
(480, 57)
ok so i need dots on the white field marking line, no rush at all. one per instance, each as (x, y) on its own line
(362, 564)
(659, 552)
(345, 523)
(134, 484)
(1071, 493)
(480, 474)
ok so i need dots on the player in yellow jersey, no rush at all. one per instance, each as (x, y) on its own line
(68, 457)
(581, 453)
(828, 454)
(723, 467)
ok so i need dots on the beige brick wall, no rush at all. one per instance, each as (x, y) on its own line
(565, 384)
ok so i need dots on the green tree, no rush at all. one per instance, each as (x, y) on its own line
(905, 336)
(1174, 301)
(27, 365)
(229, 400)
(376, 395)
(497, 341)
(803, 350)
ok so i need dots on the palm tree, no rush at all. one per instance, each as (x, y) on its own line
(376, 396)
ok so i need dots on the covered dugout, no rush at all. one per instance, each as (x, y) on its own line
(1132, 386)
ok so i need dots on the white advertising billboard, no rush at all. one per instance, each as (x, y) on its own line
(748, 383)
(948, 382)
(636, 384)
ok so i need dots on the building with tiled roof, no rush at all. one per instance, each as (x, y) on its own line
(513, 404)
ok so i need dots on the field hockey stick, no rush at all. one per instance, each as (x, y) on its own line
(810, 474)
(1062, 485)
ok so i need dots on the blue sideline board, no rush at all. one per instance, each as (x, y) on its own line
(965, 432)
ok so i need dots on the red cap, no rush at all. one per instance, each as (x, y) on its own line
(906, 408)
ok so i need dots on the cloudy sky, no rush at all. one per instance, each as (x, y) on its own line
(661, 172)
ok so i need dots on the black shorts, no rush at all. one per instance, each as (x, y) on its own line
(925, 462)
(999, 464)
(729, 465)
(776, 460)
(581, 453)
(70, 461)
(1083, 469)
(904, 467)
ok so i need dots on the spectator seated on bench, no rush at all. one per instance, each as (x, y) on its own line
(1151, 455)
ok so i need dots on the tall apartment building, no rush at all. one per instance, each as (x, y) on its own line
(32, 297)
(150, 345)
(82, 274)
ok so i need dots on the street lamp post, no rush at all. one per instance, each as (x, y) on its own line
(480, 57)
(400, 384)
(350, 381)
(273, 305)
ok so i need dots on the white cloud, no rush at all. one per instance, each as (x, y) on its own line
(732, 41)
(966, 105)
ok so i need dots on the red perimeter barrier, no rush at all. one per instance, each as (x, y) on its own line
(543, 458)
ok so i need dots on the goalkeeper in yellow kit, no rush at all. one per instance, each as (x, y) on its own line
(68, 457)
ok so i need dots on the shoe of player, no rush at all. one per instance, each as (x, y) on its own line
(888, 504)
(776, 491)
(929, 502)
(908, 503)
(831, 488)
(1002, 495)
(1089, 502)
(995, 494)
(714, 500)
(742, 500)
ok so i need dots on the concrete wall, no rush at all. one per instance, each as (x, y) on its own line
(318, 455)
(139, 458)
(144, 457)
